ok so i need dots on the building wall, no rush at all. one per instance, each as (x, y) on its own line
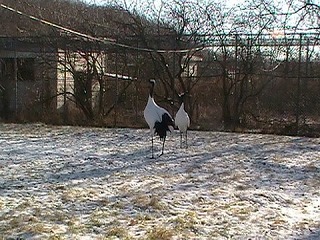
(27, 82)
(69, 63)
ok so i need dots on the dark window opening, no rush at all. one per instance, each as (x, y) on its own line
(82, 86)
(25, 69)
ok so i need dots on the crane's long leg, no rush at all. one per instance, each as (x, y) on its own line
(186, 139)
(180, 139)
(164, 139)
(152, 155)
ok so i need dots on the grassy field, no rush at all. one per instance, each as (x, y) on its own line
(96, 183)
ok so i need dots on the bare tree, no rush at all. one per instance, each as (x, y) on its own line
(240, 57)
(168, 37)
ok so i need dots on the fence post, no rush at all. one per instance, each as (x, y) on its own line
(298, 92)
(15, 78)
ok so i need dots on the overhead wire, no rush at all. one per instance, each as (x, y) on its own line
(102, 40)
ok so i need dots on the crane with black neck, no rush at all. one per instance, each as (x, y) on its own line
(158, 119)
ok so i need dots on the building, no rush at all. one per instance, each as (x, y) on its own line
(38, 76)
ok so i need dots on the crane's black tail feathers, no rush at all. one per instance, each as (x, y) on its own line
(162, 127)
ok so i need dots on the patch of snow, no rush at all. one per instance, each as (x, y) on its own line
(91, 183)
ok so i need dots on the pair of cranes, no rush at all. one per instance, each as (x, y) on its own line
(160, 120)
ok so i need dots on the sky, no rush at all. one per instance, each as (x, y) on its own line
(157, 3)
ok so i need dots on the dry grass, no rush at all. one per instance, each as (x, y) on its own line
(186, 221)
(92, 187)
(117, 232)
(160, 233)
(145, 201)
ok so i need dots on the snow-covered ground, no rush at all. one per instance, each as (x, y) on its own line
(97, 183)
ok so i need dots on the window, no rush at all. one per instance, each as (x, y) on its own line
(25, 69)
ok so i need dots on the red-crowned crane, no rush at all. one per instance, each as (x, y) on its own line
(182, 120)
(158, 119)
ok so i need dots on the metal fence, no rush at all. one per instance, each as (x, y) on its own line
(266, 82)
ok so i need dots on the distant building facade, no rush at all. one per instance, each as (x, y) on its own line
(35, 76)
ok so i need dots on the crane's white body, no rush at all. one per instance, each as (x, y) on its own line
(158, 119)
(182, 121)
(153, 113)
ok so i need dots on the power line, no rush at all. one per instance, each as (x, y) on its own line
(53, 24)
(104, 40)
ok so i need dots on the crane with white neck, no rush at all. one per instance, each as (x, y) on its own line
(182, 120)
